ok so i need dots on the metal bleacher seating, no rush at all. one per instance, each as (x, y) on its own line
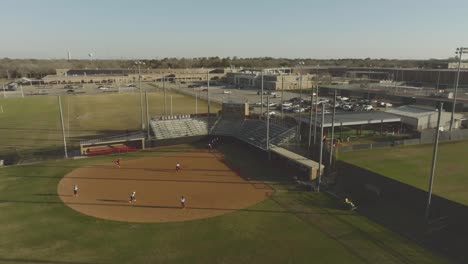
(252, 131)
(179, 126)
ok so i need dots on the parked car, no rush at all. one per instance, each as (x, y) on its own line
(271, 104)
(299, 110)
(346, 107)
(205, 90)
(271, 113)
(287, 104)
(226, 92)
(383, 104)
(367, 108)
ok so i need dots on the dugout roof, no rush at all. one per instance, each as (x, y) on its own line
(295, 157)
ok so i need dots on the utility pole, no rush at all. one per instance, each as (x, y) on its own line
(434, 158)
(165, 98)
(316, 114)
(63, 127)
(147, 114)
(321, 152)
(268, 125)
(171, 105)
(261, 97)
(310, 117)
(460, 52)
(196, 102)
(300, 108)
(282, 98)
(208, 94)
(332, 131)
(438, 80)
(139, 63)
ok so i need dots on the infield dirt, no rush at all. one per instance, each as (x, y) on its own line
(210, 186)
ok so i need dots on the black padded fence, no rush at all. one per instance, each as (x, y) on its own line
(447, 228)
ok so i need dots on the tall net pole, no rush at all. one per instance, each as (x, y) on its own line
(434, 158)
(63, 127)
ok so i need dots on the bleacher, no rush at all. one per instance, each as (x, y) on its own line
(165, 127)
(227, 127)
(252, 131)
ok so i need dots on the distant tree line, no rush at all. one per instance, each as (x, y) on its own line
(38, 68)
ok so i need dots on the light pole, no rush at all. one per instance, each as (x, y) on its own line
(434, 157)
(301, 63)
(316, 108)
(438, 80)
(139, 63)
(319, 181)
(282, 98)
(208, 95)
(332, 130)
(261, 96)
(460, 52)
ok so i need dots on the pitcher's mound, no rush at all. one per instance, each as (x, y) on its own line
(209, 186)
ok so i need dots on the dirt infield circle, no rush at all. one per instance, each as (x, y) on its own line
(211, 188)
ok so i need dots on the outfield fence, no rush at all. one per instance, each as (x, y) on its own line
(387, 200)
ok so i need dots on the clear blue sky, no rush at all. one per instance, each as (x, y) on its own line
(418, 29)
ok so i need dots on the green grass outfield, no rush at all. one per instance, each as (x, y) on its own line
(33, 123)
(412, 165)
(288, 227)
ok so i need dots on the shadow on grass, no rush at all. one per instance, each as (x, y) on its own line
(116, 203)
(22, 260)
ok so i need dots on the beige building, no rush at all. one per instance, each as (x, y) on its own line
(68, 76)
(271, 81)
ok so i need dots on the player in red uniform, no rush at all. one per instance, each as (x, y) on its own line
(117, 163)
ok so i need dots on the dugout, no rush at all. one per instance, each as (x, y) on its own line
(307, 168)
(115, 144)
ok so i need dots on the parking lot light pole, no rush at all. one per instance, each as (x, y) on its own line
(460, 52)
(261, 96)
(282, 98)
(139, 63)
(301, 63)
(319, 176)
(268, 124)
(310, 117)
(316, 113)
(332, 131)
(438, 80)
(165, 98)
(208, 93)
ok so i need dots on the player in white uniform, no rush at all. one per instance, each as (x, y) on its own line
(75, 190)
(132, 197)
(177, 167)
(182, 202)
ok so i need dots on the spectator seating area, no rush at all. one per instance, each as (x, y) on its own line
(179, 126)
(252, 131)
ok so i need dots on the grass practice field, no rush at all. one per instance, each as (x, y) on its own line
(290, 226)
(412, 165)
(32, 124)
